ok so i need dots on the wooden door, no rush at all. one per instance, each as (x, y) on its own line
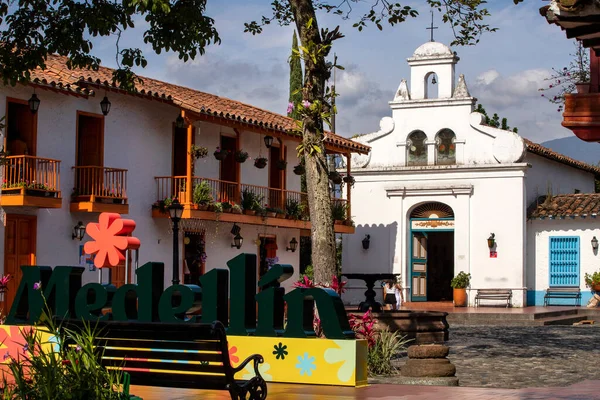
(267, 249)
(229, 170)
(276, 181)
(90, 153)
(419, 266)
(117, 274)
(180, 157)
(21, 127)
(19, 249)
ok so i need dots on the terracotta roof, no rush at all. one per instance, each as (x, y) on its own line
(545, 152)
(58, 76)
(566, 205)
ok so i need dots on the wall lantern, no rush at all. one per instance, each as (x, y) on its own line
(293, 245)
(491, 241)
(179, 122)
(235, 229)
(105, 105)
(366, 242)
(268, 141)
(34, 103)
(78, 231)
(594, 243)
(238, 240)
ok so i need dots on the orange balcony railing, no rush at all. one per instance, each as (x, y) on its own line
(93, 182)
(224, 191)
(30, 173)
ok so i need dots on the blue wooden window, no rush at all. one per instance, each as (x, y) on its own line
(564, 261)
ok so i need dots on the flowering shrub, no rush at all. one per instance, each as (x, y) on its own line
(4, 281)
(592, 279)
(25, 184)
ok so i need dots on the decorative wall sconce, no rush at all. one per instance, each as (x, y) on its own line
(78, 231)
(293, 245)
(179, 121)
(34, 103)
(238, 240)
(105, 106)
(594, 244)
(366, 242)
(491, 241)
(268, 141)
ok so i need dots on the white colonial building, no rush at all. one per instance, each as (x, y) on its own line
(438, 183)
(70, 161)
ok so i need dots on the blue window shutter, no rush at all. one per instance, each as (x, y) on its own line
(564, 261)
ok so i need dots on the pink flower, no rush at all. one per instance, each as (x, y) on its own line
(306, 104)
(290, 107)
(37, 286)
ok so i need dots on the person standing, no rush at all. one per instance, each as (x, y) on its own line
(389, 296)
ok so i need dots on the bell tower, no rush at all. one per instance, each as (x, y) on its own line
(432, 58)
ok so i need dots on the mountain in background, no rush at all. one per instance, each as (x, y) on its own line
(576, 148)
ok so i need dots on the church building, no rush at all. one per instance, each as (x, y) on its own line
(441, 192)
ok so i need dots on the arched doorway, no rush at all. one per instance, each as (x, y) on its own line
(431, 252)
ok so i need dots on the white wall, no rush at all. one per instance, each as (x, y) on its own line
(137, 137)
(547, 175)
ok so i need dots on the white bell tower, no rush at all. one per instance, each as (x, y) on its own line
(432, 58)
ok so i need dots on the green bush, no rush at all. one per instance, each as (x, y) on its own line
(293, 209)
(461, 281)
(387, 346)
(338, 210)
(251, 200)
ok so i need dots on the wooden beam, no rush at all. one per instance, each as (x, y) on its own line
(583, 31)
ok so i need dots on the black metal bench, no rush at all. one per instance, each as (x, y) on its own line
(563, 292)
(192, 355)
(493, 294)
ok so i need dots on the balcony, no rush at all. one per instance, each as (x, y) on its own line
(582, 116)
(31, 181)
(99, 189)
(280, 208)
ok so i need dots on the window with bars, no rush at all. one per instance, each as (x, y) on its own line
(564, 261)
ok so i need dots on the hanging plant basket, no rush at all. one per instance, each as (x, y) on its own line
(260, 162)
(241, 156)
(349, 179)
(299, 169)
(281, 164)
(335, 177)
(221, 154)
(198, 152)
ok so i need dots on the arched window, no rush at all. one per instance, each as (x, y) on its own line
(445, 147)
(416, 148)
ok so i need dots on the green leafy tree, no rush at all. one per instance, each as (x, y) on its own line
(495, 120)
(37, 28)
(295, 79)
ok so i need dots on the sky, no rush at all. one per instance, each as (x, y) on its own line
(504, 70)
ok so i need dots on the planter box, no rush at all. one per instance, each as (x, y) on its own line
(39, 193)
(249, 212)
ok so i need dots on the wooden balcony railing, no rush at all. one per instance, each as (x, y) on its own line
(224, 191)
(30, 173)
(93, 182)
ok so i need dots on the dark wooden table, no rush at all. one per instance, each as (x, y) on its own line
(370, 279)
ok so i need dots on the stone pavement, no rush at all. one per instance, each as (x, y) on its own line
(523, 357)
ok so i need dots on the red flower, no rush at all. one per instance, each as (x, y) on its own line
(111, 239)
(305, 283)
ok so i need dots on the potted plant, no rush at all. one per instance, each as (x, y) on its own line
(270, 212)
(236, 209)
(460, 283)
(335, 177)
(299, 169)
(593, 281)
(279, 213)
(220, 154)
(292, 209)
(260, 162)
(241, 156)
(226, 206)
(198, 152)
(338, 212)
(217, 207)
(250, 201)
(281, 164)
(202, 195)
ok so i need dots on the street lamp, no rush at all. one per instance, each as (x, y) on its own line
(175, 211)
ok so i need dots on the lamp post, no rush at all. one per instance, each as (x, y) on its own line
(175, 211)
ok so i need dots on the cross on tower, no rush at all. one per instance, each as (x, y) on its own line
(432, 27)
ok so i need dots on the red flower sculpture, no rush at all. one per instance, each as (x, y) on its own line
(110, 239)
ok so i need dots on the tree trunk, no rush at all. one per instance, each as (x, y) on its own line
(319, 201)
